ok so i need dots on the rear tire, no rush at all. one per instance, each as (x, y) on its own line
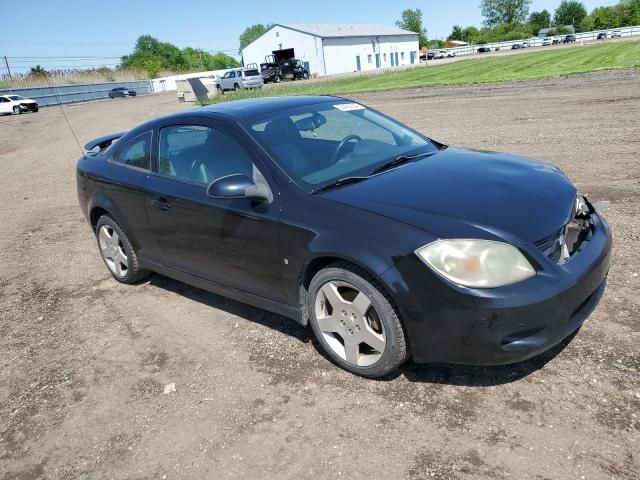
(117, 252)
(355, 322)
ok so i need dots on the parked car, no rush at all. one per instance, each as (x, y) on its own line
(439, 54)
(293, 69)
(17, 104)
(122, 92)
(616, 34)
(274, 71)
(547, 41)
(526, 44)
(556, 41)
(602, 36)
(240, 79)
(516, 46)
(484, 50)
(569, 39)
(386, 243)
(431, 55)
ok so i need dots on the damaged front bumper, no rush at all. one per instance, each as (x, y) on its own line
(503, 325)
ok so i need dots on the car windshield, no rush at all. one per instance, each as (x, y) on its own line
(16, 97)
(319, 144)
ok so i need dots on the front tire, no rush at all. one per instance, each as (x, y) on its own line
(354, 321)
(117, 252)
(17, 110)
(236, 87)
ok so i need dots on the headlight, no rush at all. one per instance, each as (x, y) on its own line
(477, 263)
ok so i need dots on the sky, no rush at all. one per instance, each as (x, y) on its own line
(101, 32)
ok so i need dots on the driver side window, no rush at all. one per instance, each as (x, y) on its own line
(200, 154)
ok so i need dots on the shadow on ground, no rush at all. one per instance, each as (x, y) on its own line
(450, 374)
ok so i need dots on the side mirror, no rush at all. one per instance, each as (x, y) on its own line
(239, 186)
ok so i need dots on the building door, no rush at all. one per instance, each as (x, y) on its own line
(413, 57)
(358, 66)
(397, 63)
(392, 61)
(377, 60)
(306, 66)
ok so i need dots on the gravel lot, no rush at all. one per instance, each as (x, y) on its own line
(84, 360)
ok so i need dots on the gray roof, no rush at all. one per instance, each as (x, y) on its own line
(328, 30)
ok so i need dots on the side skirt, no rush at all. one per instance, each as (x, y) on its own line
(292, 312)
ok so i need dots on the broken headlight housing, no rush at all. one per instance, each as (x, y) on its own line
(477, 263)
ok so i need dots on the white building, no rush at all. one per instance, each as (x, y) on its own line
(330, 49)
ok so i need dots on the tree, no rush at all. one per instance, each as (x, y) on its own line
(38, 71)
(569, 12)
(504, 11)
(624, 14)
(252, 33)
(412, 21)
(456, 33)
(470, 35)
(153, 56)
(539, 20)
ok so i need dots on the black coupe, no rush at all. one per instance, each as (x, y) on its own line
(388, 244)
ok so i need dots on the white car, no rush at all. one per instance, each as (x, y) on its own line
(17, 104)
(547, 41)
(616, 33)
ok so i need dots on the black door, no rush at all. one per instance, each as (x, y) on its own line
(231, 242)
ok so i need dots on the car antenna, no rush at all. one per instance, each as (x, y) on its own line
(64, 114)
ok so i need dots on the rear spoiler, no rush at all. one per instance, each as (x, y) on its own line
(103, 142)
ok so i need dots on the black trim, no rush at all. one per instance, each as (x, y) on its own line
(294, 313)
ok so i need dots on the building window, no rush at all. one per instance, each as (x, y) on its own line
(277, 34)
(401, 55)
(384, 57)
(368, 58)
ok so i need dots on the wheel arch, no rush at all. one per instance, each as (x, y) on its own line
(102, 205)
(317, 263)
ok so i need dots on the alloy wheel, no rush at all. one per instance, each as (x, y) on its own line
(112, 251)
(349, 323)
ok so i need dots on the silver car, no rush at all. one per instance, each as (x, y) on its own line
(239, 79)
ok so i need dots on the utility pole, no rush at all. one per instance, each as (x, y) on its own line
(6, 62)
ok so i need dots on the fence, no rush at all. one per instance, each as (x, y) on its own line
(537, 42)
(87, 92)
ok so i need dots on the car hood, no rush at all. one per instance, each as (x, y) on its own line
(456, 191)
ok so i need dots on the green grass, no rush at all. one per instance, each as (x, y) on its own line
(551, 62)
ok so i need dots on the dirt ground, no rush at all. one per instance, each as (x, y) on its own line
(84, 360)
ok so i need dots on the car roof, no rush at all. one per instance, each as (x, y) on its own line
(240, 109)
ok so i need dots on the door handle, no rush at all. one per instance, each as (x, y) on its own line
(162, 203)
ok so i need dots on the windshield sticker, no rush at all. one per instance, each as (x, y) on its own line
(349, 107)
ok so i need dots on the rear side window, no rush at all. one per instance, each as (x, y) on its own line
(251, 73)
(135, 153)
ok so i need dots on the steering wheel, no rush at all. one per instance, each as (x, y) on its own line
(345, 140)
